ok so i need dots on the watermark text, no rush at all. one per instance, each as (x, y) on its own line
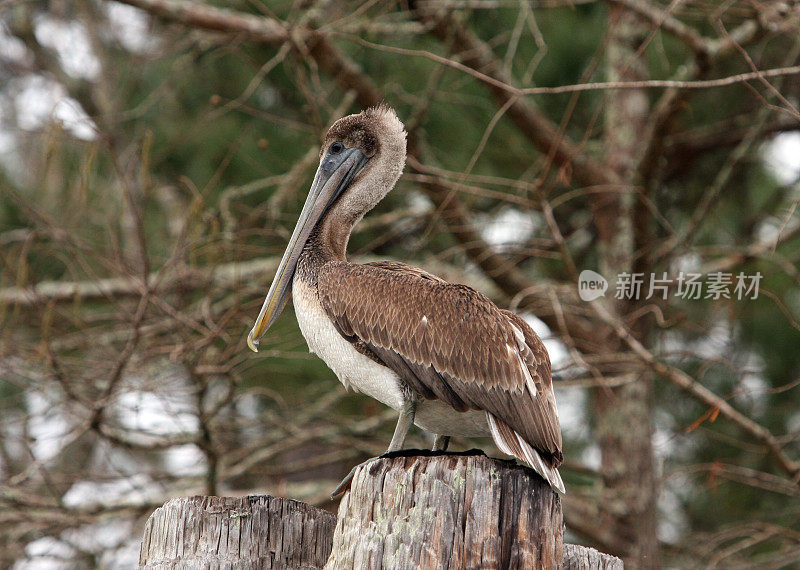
(715, 286)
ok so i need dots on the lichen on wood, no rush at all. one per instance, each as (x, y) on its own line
(447, 511)
(458, 510)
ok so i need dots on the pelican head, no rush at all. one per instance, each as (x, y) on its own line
(360, 161)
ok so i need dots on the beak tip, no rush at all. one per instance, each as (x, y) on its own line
(252, 343)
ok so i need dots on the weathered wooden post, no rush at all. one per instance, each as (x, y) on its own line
(582, 558)
(246, 533)
(447, 511)
(401, 512)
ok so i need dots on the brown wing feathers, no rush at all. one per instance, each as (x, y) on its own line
(425, 380)
(449, 342)
(457, 330)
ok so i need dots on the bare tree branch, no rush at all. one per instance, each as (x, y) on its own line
(196, 14)
(703, 394)
(479, 60)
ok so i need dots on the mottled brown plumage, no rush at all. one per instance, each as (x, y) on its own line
(462, 349)
(442, 354)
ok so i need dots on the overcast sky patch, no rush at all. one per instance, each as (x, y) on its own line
(782, 155)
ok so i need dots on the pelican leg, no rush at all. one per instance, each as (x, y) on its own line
(440, 442)
(404, 423)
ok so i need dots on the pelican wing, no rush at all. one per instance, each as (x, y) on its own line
(450, 342)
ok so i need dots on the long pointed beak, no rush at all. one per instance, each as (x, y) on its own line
(334, 175)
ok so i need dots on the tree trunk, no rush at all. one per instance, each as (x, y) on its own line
(447, 511)
(246, 533)
(624, 413)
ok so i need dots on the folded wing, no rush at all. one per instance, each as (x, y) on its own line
(450, 342)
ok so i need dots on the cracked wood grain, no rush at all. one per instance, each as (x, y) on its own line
(458, 510)
(447, 511)
(246, 533)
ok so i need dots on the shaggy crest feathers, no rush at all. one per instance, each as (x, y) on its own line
(374, 129)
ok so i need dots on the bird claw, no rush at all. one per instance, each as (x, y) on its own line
(345, 484)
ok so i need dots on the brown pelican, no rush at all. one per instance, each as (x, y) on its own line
(442, 355)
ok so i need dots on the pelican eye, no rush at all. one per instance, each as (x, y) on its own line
(336, 148)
